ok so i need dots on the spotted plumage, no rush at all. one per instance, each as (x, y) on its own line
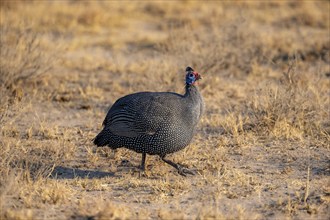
(154, 123)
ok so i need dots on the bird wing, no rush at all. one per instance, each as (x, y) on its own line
(138, 114)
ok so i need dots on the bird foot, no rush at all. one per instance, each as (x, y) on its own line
(142, 171)
(184, 171)
(141, 168)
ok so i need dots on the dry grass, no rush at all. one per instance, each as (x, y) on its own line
(261, 148)
(293, 107)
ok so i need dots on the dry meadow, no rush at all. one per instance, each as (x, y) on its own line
(261, 149)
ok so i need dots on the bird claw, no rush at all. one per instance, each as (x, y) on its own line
(184, 171)
(142, 173)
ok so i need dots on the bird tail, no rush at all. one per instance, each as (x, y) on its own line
(101, 139)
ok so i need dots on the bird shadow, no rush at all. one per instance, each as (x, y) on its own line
(61, 172)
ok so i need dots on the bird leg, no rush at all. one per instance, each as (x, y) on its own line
(142, 166)
(182, 170)
(143, 162)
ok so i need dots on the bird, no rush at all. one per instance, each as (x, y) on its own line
(155, 123)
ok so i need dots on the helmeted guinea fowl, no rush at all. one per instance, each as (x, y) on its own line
(155, 123)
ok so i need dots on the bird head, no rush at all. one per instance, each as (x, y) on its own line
(191, 76)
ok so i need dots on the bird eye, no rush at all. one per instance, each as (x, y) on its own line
(191, 75)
